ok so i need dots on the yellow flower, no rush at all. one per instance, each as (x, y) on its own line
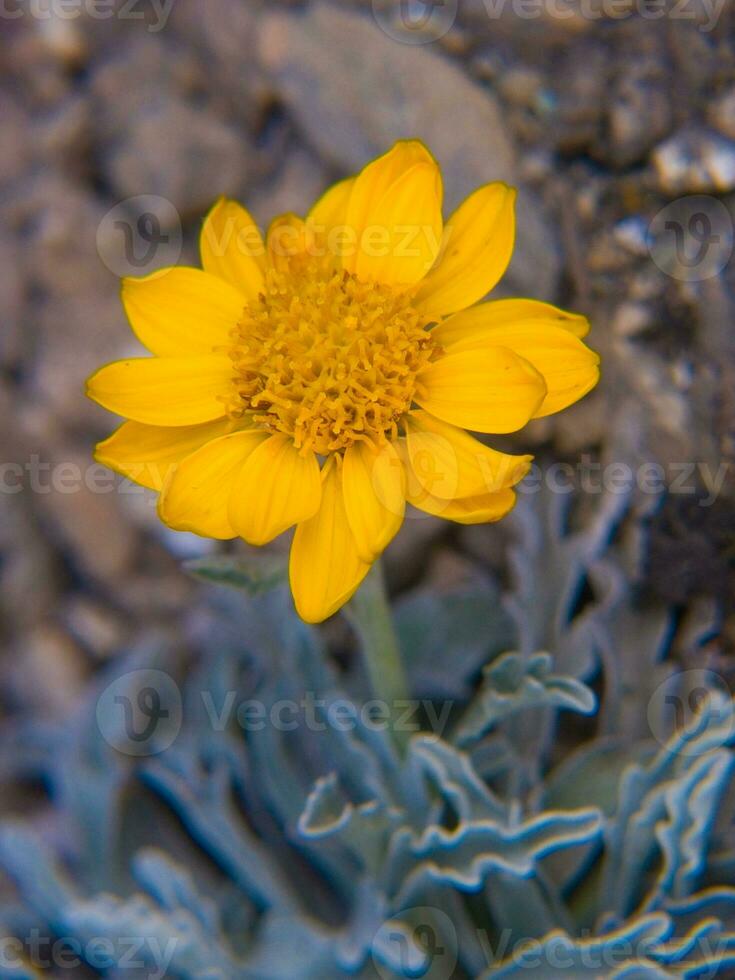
(325, 377)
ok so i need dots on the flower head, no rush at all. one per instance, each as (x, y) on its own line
(325, 377)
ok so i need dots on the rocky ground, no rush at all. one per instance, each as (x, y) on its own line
(601, 121)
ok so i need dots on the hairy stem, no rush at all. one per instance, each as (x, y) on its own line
(370, 613)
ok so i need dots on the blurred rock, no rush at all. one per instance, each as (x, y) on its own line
(457, 41)
(16, 147)
(536, 166)
(695, 160)
(80, 506)
(52, 670)
(175, 134)
(46, 79)
(79, 335)
(65, 137)
(29, 576)
(716, 340)
(487, 65)
(225, 38)
(632, 234)
(56, 219)
(405, 560)
(156, 592)
(639, 110)
(148, 70)
(582, 86)
(449, 572)
(520, 86)
(182, 154)
(606, 253)
(631, 319)
(688, 547)
(299, 182)
(721, 113)
(62, 37)
(77, 320)
(535, 23)
(400, 91)
(14, 345)
(94, 626)
(697, 59)
(670, 417)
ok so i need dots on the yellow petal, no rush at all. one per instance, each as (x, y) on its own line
(446, 462)
(232, 248)
(504, 312)
(287, 236)
(488, 390)
(478, 244)
(482, 509)
(374, 485)
(327, 222)
(275, 489)
(400, 243)
(394, 215)
(569, 368)
(148, 453)
(325, 568)
(377, 176)
(330, 211)
(164, 390)
(180, 312)
(197, 495)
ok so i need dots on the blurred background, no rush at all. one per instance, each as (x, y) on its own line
(122, 121)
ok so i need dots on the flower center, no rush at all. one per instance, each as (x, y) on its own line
(326, 358)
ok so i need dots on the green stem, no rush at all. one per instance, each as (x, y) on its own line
(370, 613)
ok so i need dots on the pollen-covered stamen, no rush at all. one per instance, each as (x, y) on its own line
(326, 358)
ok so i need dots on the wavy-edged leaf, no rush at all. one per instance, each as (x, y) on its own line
(514, 683)
(255, 574)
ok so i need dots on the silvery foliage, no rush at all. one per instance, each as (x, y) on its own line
(316, 849)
